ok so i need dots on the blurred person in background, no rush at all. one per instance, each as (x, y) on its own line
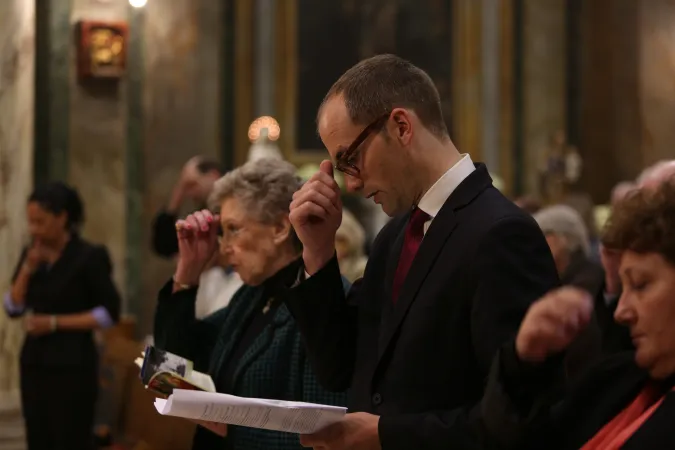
(217, 284)
(195, 184)
(350, 241)
(63, 286)
(568, 240)
(528, 203)
(567, 237)
(252, 347)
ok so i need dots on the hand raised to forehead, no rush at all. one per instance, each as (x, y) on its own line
(197, 243)
(316, 214)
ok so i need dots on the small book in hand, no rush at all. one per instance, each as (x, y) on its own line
(162, 372)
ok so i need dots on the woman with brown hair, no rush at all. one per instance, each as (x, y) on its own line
(626, 401)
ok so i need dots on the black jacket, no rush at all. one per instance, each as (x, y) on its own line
(523, 412)
(421, 364)
(79, 281)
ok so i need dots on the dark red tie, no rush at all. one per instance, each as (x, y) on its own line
(414, 234)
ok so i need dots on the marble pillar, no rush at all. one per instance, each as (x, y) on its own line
(610, 122)
(264, 70)
(181, 95)
(507, 111)
(96, 157)
(543, 82)
(490, 61)
(657, 72)
(467, 77)
(17, 52)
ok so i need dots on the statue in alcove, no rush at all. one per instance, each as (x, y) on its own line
(562, 169)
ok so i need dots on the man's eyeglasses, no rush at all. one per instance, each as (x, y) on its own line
(345, 161)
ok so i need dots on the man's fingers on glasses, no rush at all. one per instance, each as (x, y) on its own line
(331, 194)
(320, 199)
(309, 209)
(316, 197)
(325, 179)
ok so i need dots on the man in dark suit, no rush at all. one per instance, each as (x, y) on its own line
(448, 280)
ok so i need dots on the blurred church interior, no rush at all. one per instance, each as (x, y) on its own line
(562, 99)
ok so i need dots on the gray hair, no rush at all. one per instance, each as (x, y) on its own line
(657, 173)
(565, 221)
(352, 231)
(265, 187)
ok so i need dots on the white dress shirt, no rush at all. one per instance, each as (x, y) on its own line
(434, 199)
(216, 288)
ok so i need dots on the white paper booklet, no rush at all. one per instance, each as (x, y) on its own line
(292, 417)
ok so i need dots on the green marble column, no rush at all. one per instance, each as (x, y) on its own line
(52, 89)
(134, 162)
(227, 112)
(543, 81)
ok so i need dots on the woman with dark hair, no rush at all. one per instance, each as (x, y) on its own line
(63, 286)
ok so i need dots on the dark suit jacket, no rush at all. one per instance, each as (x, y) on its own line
(421, 364)
(586, 349)
(275, 365)
(79, 281)
(522, 415)
(584, 273)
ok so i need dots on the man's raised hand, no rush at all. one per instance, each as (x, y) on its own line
(316, 214)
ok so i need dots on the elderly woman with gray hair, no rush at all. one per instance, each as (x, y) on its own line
(252, 347)
(569, 242)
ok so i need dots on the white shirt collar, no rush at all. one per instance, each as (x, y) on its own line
(432, 201)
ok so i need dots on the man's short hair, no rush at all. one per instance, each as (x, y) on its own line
(377, 85)
(209, 165)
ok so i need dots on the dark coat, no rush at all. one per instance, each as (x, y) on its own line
(275, 366)
(523, 414)
(421, 364)
(79, 281)
(586, 350)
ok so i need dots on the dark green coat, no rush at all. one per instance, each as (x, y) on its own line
(275, 366)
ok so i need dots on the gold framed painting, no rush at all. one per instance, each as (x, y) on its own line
(102, 49)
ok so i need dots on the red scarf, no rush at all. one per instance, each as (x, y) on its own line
(616, 432)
